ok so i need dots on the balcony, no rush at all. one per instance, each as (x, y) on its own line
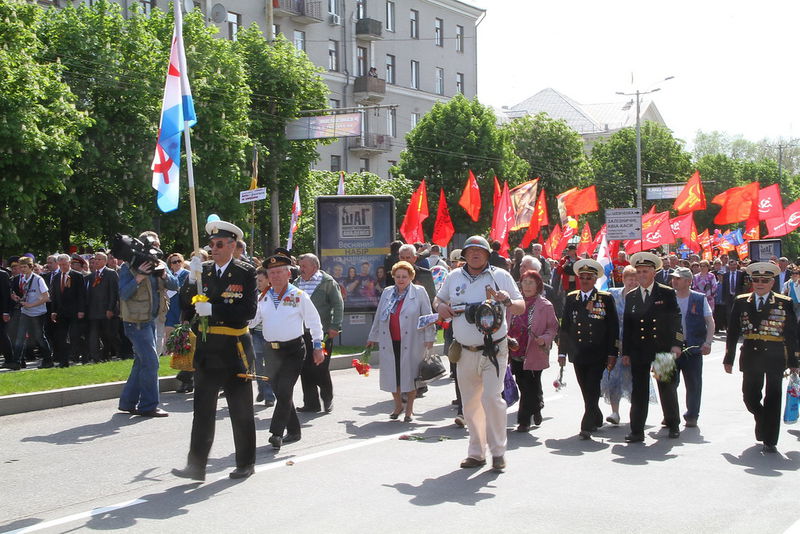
(369, 90)
(300, 11)
(370, 143)
(369, 30)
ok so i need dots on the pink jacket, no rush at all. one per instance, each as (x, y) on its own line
(544, 324)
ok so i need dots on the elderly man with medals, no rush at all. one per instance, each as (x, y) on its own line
(223, 350)
(766, 321)
(589, 335)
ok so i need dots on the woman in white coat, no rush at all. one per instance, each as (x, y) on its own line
(402, 345)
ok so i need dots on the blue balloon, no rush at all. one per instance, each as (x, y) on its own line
(212, 218)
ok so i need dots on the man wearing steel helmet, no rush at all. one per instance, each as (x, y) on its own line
(479, 376)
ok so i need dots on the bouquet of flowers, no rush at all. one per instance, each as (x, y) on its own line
(203, 321)
(180, 346)
(559, 383)
(664, 366)
(362, 362)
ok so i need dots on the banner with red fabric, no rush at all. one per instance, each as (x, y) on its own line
(502, 220)
(523, 199)
(417, 211)
(471, 198)
(538, 221)
(736, 203)
(552, 241)
(692, 197)
(443, 229)
(585, 244)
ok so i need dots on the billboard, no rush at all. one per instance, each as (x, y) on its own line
(353, 235)
(324, 126)
(764, 249)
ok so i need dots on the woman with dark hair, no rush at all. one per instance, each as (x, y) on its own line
(380, 277)
(534, 330)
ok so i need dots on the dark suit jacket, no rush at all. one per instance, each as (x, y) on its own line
(663, 276)
(70, 300)
(653, 326)
(589, 336)
(726, 286)
(5, 292)
(424, 278)
(777, 284)
(102, 294)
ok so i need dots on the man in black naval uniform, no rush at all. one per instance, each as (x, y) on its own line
(767, 322)
(589, 335)
(230, 286)
(651, 325)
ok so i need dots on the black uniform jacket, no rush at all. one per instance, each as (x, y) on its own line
(653, 326)
(589, 331)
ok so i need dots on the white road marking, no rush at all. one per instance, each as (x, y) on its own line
(75, 517)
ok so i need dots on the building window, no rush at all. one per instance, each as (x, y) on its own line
(276, 29)
(459, 38)
(390, 78)
(234, 23)
(389, 16)
(361, 61)
(415, 74)
(363, 165)
(415, 119)
(334, 103)
(438, 32)
(147, 6)
(333, 7)
(439, 81)
(336, 163)
(391, 122)
(414, 24)
(333, 55)
(300, 40)
(460, 82)
(361, 9)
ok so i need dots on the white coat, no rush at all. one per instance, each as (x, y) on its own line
(412, 340)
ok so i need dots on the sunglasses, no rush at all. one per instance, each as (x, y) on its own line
(173, 262)
(217, 244)
(762, 280)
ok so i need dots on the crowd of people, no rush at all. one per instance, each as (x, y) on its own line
(278, 319)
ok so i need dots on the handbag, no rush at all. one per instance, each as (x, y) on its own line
(184, 361)
(792, 410)
(454, 352)
(431, 367)
(510, 392)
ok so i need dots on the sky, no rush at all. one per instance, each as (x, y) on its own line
(734, 62)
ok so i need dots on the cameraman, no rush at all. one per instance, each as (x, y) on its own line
(481, 369)
(143, 297)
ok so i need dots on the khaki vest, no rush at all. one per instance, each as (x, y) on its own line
(137, 308)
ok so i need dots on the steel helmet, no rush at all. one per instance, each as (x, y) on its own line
(476, 241)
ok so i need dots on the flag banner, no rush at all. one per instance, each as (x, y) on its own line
(502, 220)
(753, 229)
(705, 240)
(417, 211)
(552, 240)
(598, 238)
(770, 205)
(471, 198)
(743, 251)
(656, 231)
(787, 223)
(604, 259)
(340, 189)
(177, 113)
(497, 192)
(581, 201)
(561, 204)
(570, 230)
(692, 197)
(683, 227)
(523, 200)
(296, 211)
(538, 221)
(737, 203)
(585, 244)
(443, 229)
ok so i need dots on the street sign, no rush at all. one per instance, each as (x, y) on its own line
(623, 223)
(661, 192)
(251, 195)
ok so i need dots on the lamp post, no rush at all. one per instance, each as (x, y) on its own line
(638, 94)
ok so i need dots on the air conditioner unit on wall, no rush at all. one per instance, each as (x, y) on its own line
(334, 19)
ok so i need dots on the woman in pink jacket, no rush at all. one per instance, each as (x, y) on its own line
(534, 330)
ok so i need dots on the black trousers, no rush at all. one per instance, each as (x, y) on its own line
(531, 398)
(767, 415)
(721, 317)
(239, 395)
(5, 342)
(105, 330)
(66, 341)
(315, 379)
(287, 366)
(589, 376)
(640, 397)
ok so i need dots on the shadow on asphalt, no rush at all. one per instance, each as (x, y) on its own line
(87, 433)
(758, 463)
(646, 452)
(460, 487)
(575, 446)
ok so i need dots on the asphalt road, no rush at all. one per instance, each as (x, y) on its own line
(85, 468)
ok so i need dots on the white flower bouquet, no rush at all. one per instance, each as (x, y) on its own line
(664, 366)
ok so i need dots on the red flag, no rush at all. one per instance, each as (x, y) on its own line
(656, 230)
(497, 193)
(743, 250)
(471, 198)
(503, 220)
(682, 225)
(652, 210)
(523, 199)
(417, 211)
(613, 248)
(443, 229)
(598, 237)
(753, 229)
(551, 242)
(704, 240)
(770, 205)
(581, 201)
(788, 222)
(570, 230)
(737, 203)
(692, 197)
(632, 246)
(561, 199)
(538, 221)
(585, 244)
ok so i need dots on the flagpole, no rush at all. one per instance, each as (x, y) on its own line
(192, 201)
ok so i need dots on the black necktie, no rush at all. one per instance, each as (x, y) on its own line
(219, 273)
(760, 303)
(646, 294)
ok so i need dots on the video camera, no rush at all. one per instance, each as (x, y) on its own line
(487, 316)
(135, 252)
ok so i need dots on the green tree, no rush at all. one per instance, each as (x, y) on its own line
(39, 126)
(452, 138)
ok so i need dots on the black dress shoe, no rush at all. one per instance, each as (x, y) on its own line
(772, 449)
(194, 472)
(158, 412)
(328, 407)
(674, 433)
(585, 434)
(132, 411)
(634, 438)
(470, 463)
(242, 472)
(291, 438)
(259, 397)
(537, 418)
(307, 409)
(498, 463)
(276, 442)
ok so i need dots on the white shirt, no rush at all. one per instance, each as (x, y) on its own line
(586, 296)
(221, 270)
(649, 290)
(35, 287)
(288, 320)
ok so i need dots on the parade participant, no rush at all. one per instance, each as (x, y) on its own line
(447, 330)
(534, 329)
(327, 299)
(536, 252)
(30, 295)
(68, 298)
(265, 392)
(5, 314)
(483, 352)
(102, 302)
(566, 269)
(617, 382)
(706, 283)
(589, 336)
(767, 322)
(422, 276)
(402, 344)
(223, 352)
(651, 325)
(283, 313)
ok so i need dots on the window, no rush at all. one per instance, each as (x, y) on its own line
(391, 122)
(276, 29)
(414, 74)
(438, 32)
(234, 23)
(147, 6)
(300, 40)
(334, 103)
(333, 7)
(390, 78)
(333, 55)
(336, 163)
(459, 38)
(361, 9)
(414, 24)
(414, 119)
(460, 82)
(363, 165)
(361, 61)
(439, 81)
(389, 16)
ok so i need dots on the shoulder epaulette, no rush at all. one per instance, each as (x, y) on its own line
(573, 293)
(743, 296)
(604, 293)
(782, 297)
